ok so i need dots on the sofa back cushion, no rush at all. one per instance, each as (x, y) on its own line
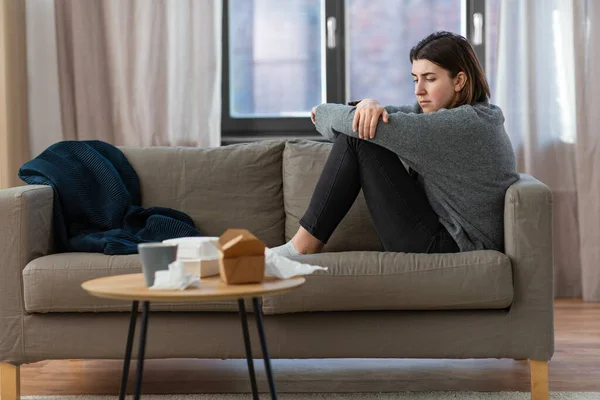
(303, 162)
(237, 186)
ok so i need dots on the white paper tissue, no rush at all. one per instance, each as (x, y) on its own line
(174, 278)
(284, 268)
(198, 255)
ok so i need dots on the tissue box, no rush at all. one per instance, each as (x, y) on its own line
(241, 257)
(201, 268)
(198, 254)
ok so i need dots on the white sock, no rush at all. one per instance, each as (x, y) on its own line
(286, 250)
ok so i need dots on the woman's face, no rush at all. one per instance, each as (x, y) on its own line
(434, 87)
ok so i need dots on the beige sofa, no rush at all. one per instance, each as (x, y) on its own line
(369, 304)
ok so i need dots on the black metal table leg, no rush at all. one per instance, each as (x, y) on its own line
(263, 345)
(142, 350)
(128, 348)
(242, 309)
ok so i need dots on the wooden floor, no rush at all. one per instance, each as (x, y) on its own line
(575, 367)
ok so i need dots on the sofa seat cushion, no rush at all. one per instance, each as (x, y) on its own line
(354, 281)
(400, 281)
(53, 284)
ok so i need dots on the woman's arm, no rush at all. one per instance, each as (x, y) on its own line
(405, 108)
(414, 137)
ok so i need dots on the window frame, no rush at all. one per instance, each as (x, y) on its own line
(471, 7)
(238, 130)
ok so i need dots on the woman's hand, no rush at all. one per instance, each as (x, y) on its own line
(313, 115)
(366, 118)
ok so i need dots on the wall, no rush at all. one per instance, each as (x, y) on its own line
(14, 143)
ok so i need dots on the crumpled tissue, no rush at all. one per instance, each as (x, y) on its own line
(174, 278)
(284, 268)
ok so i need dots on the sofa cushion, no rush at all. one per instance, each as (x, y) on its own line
(237, 186)
(53, 284)
(400, 281)
(303, 162)
(354, 281)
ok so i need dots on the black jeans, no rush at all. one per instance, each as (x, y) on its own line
(401, 213)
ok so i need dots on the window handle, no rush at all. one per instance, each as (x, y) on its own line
(477, 29)
(331, 32)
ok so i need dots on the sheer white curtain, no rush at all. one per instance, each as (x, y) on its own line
(587, 57)
(133, 72)
(548, 90)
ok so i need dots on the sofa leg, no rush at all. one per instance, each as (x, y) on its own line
(539, 379)
(10, 382)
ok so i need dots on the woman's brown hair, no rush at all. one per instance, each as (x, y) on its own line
(454, 53)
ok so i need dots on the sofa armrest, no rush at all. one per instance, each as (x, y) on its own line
(528, 244)
(25, 234)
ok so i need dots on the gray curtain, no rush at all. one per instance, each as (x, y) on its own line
(136, 72)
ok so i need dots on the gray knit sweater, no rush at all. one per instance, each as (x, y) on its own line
(463, 156)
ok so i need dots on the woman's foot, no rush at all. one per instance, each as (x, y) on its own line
(305, 243)
(302, 243)
(286, 250)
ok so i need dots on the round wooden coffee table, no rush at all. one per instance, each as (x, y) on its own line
(132, 287)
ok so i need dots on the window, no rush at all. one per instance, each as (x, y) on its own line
(275, 58)
(281, 58)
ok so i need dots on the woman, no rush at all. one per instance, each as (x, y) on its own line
(460, 157)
